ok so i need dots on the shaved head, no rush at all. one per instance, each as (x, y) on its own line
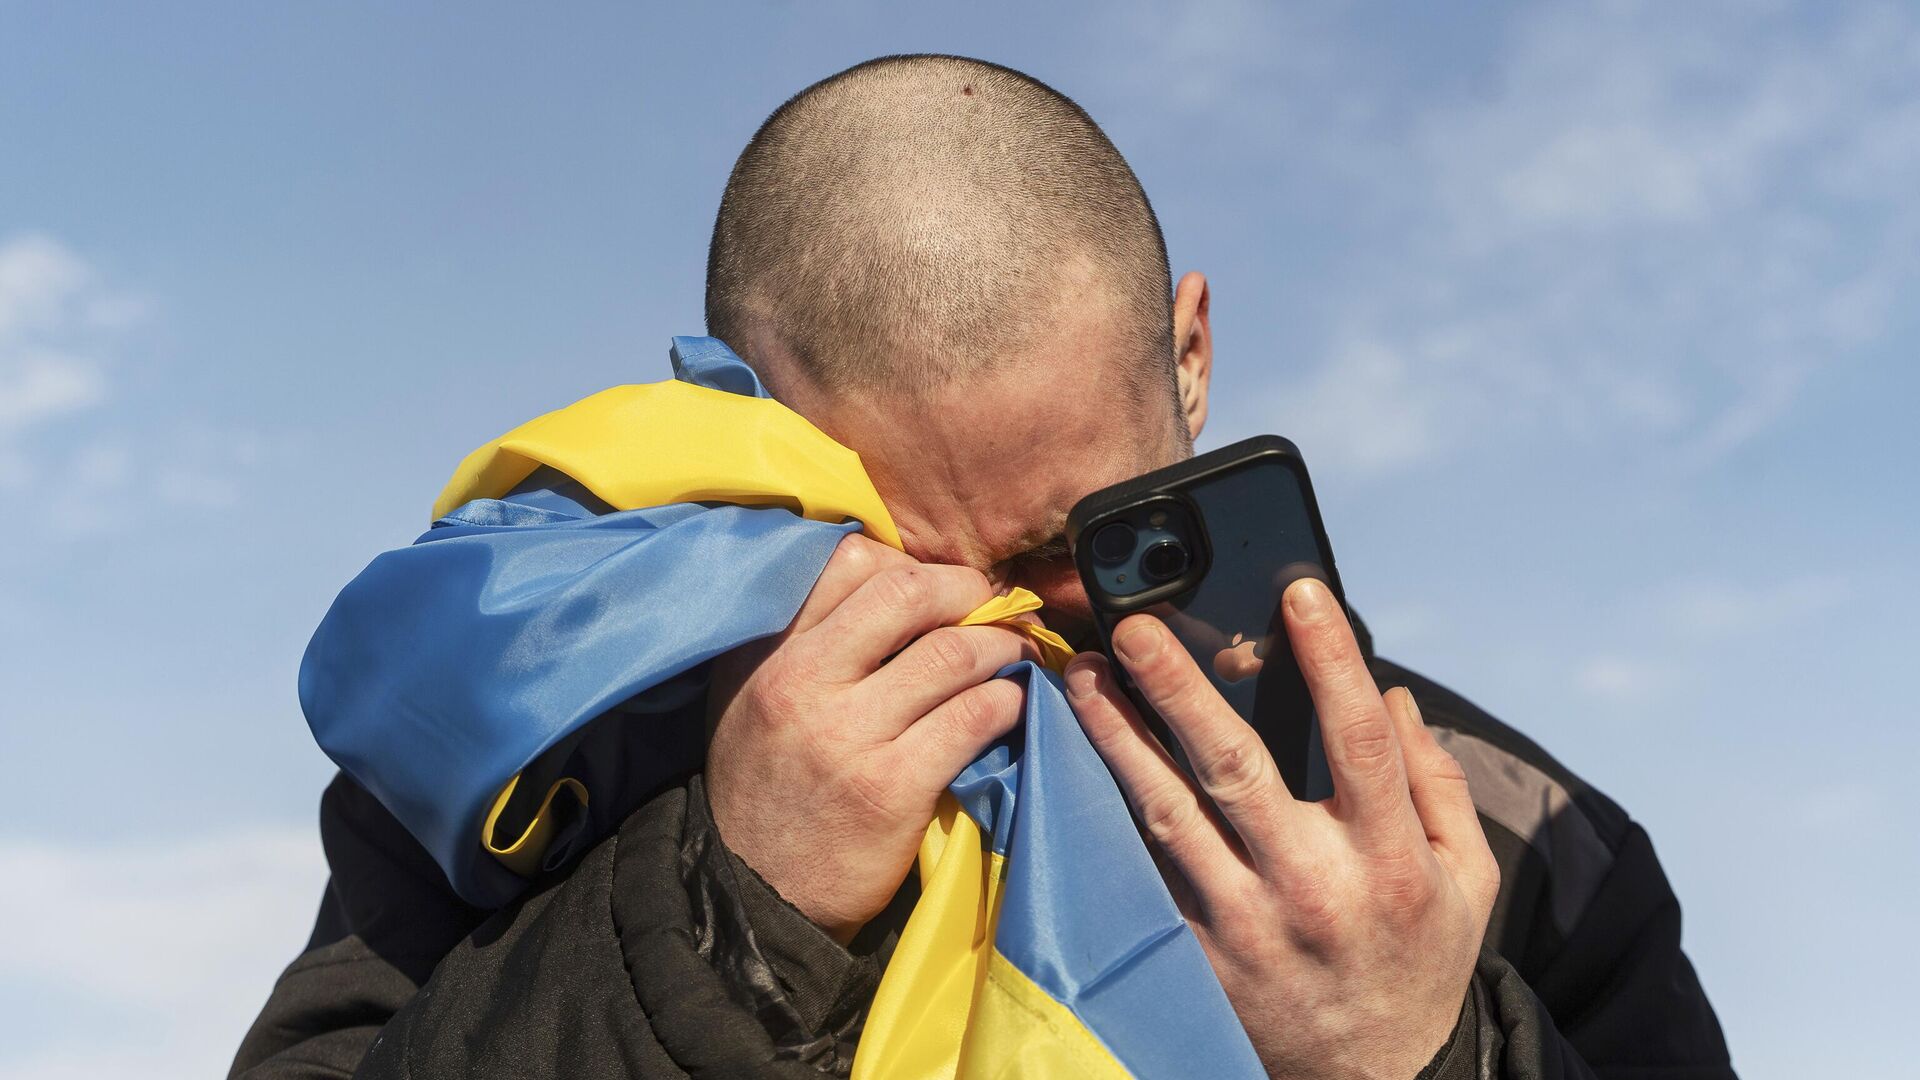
(918, 220)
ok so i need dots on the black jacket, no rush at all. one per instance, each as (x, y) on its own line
(660, 954)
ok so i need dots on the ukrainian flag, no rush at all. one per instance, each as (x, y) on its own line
(513, 683)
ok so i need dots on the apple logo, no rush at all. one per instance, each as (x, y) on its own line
(1239, 660)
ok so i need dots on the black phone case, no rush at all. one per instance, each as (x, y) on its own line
(1260, 530)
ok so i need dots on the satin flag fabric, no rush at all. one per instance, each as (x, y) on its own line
(544, 644)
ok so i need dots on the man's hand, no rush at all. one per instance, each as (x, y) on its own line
(1345, 932)
(829, 751)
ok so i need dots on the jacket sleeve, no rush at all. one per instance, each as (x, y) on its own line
(809, 992)
(625, 965)
(1618, 999)
(387, 917)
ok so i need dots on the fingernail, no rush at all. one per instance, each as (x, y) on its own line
(1309, 600)
(1139, 643)
(1083, 679)
(1405, 703)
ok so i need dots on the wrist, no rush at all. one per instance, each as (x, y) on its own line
(1436, 1068)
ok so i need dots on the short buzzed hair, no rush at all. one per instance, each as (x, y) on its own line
(899, 225)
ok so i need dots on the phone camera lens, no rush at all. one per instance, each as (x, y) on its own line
(1113, 544)
(1164, 561)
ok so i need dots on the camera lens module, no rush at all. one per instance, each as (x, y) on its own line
(1164, 561)
(1113, 544)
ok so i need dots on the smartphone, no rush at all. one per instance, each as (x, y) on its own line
(1208, 546)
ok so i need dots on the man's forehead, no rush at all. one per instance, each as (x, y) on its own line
(993, 472)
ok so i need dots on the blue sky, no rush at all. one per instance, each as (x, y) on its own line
(1590, 320)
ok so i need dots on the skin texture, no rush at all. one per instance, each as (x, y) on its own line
(1308, 911)
(805, 781)
(828, 758)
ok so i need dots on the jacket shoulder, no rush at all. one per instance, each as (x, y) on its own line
(1502, 757)
(1557, 839)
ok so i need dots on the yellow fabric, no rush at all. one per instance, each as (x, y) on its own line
(669, 442)
(920, 1015)
(1017, 1030)
(1006, 610)
(524, 854)
(949, 1004)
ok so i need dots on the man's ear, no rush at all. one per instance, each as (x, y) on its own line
(1193, 348)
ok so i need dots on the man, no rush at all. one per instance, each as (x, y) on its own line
(947, 267)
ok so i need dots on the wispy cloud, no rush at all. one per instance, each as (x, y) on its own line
(1618, 678)
(172, 944)
(1715, 609)
(1646, 223)
(1663, 207)
(50, 320)
(64, 328)
(1674, 627)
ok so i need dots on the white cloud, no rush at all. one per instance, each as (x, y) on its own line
(1368, 411)
(38, 386)
(171, 945)
(1680, 624)
(62, 328)
(1648, 224)
(39, 280)
(1709, 608)
(1617, 677)
(195, 488)
(46, 296)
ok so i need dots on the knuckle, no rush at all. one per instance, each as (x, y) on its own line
(1183, 688)
(1486, 877)
(1446, 768)
(904, 590)
(1402, 882)
(947, 654)
(989, 708)
(783, 688)
(1367, 745)
(1314, 909)
(974, 711)
(855, 554)
(1170, 818)
(1236, 771)
(969, 578)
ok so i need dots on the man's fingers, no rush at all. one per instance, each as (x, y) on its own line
(940, 744)
(856, 559)
(1363, 750)
(1173, 814)
(937, 666)
(884, 613)
(1438, 788)
(1229, 760)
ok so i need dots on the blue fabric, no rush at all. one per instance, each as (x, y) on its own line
(705, 361)
(543, 624)
(449, 666)
(1083, 913)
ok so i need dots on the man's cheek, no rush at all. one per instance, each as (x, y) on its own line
(1058, 586)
